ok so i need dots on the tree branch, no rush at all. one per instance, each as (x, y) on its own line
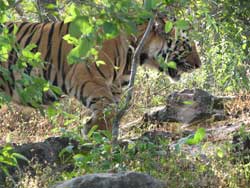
(19, 9)
(46, 14)
(135, 60)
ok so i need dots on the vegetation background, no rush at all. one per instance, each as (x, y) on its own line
(221, 29)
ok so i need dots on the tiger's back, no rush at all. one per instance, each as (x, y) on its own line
(48, 38)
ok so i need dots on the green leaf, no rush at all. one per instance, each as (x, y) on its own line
(197, 138)
(182, 24)
(70, 39)
(51, 6)
(51, 111)
(80, 25)
(172, 64)
(151, 4)
(220, 153)
(110, 29)
(188, 102)
(7, 148)
(92, 130)
(56, 90)
(131, 27)
(68, 149)
(168, 26)
(46, 87)
(131, 145)
(244, 46)
(5, 170)
(80, 51)
(74, 12)
(9, 161)
(107, 134)
(78, 157)
(20, 156)
(100, 62)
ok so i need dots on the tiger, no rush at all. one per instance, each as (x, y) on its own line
(97, 86)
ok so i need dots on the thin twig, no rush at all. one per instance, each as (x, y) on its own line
(135, 60)
(19, 9)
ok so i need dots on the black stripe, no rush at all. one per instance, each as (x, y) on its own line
(116, 92)
(169, 43)
(128, 62)
(1, 28)
(31, 35)
(21, 26)
(55, 83)
(64, 88)
(62, 67)
(10, 27)
(59, 59)
(67, 30)
(49, 42)
(143, 58)
(49, 71)
(82, 98)
(75, 94)
(125, 83)
(87, 67)
(73, 73)
(115, 74)
(49, 46)
(11, 61)
(94, 100)
(2, 79)
(28, 69)
(5, 80)
(60, 28)
(71, 89)
(100, 72)
(8, 24)
(117, 61)
(117, 55)
(91, 103)
(59, 53)
(40, 37)
(24, 33)
(37, 43)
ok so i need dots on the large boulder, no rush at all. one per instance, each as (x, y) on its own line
(188, 106)
(113, 180)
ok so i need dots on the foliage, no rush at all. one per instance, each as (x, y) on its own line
(142, 155)
(207, 165)
(9, 158)
(222, 29)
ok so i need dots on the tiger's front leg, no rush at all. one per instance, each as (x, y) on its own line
(102, 102)
(102, 115)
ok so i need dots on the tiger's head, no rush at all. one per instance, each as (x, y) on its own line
(171, 47)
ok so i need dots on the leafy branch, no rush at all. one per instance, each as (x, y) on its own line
(135, 60)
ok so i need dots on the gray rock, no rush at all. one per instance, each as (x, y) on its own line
(188, 106)
(113, 180)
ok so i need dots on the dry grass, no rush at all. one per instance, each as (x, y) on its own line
(23, 125)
